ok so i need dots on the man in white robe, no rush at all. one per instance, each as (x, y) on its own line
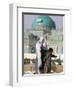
(38, 53)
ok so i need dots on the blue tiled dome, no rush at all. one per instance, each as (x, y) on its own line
(44, 20)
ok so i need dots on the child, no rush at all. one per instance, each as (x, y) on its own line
(47, 59)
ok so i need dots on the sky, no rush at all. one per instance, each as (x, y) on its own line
(28, 20)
